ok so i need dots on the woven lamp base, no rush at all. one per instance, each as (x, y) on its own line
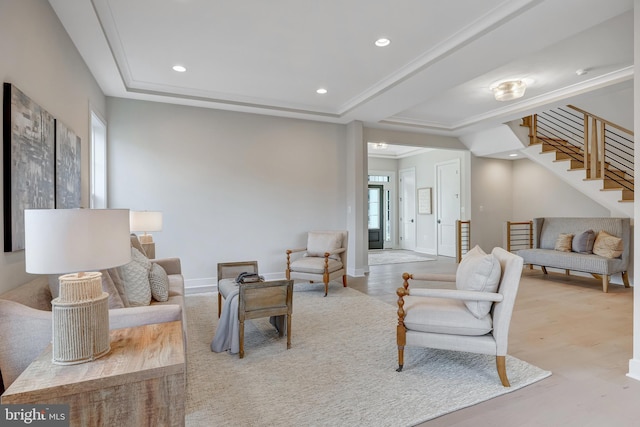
(80, 319)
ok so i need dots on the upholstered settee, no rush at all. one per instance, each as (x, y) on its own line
(25, 315)
(599, 246)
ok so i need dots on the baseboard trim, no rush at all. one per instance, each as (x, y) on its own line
(634, 369)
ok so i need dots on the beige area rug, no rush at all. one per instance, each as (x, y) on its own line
(391, 256)
(340, 370)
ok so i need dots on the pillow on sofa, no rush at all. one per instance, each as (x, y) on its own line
(108, 286)
(480, 272)
(583, 242)
(563, 242)
(135, 277)
(319, 242)
(118, 282)
(159, 283)
(608, 246)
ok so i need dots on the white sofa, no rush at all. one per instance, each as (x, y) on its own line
(25, 316)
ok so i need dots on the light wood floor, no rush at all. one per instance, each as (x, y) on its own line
(565, 325)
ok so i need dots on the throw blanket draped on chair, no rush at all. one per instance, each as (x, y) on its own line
(227, 332)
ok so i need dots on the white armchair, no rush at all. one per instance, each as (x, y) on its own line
(473, 318)
(324, 258)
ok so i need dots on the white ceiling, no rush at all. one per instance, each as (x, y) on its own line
(269, 57)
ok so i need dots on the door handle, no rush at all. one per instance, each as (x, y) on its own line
(412, 221)
(438, 221)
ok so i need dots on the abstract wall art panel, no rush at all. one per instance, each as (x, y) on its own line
(28, 162)
(68, 191)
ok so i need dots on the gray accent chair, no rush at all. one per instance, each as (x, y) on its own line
(442, 319)
(323, 259)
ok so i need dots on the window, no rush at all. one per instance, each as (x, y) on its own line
(98, 160)
(378, 178)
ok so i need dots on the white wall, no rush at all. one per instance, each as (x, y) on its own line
(492, 192)
(425, 165)
(39, 59)
(538, 193)
(231, 186)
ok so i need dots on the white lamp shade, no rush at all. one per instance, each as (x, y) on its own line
(76, 240)
(145, 221)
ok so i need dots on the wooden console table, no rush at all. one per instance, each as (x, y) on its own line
(140, 382)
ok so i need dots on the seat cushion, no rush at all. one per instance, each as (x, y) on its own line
(479, 272)
(443, 316)
(314, 265)
(225, 286)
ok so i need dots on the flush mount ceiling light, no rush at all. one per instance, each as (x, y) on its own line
(179, 68)
(383, 42)
(380, 146)
(513, 155)
(321, 91)
(509, 90)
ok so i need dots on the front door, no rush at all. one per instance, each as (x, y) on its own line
(376, 229)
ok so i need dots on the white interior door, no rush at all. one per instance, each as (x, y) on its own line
(448, 209)
(408, 209)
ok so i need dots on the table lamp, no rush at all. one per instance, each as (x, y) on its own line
(59, 241)
(145, 221)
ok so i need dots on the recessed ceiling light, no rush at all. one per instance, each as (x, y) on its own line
(581, 72)
(321, 91)
(179, 68)
(513, 155)
(382, 42)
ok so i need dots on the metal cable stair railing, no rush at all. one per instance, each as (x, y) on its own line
(603, 149)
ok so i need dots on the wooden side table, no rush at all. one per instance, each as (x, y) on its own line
(140, 382)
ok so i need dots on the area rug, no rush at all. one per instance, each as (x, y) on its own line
(390, 256)
(340, 370)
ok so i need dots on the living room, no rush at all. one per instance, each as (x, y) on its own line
(234, 185)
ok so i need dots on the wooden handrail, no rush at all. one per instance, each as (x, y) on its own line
(527, 224)
(607, 122)
(603, 149)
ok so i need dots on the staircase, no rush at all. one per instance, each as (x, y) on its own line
(593, 155)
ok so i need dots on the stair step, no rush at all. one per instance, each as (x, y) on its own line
(627, 195)
(613, 180)
(618, 184)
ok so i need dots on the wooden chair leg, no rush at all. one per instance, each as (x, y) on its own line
(605, 283)
(288, 331)
(219, 304)
(241, 338)
(625, 279)
(502, 370)
(344, 280)
(400, 358)
(401, 340)
(544, 269)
